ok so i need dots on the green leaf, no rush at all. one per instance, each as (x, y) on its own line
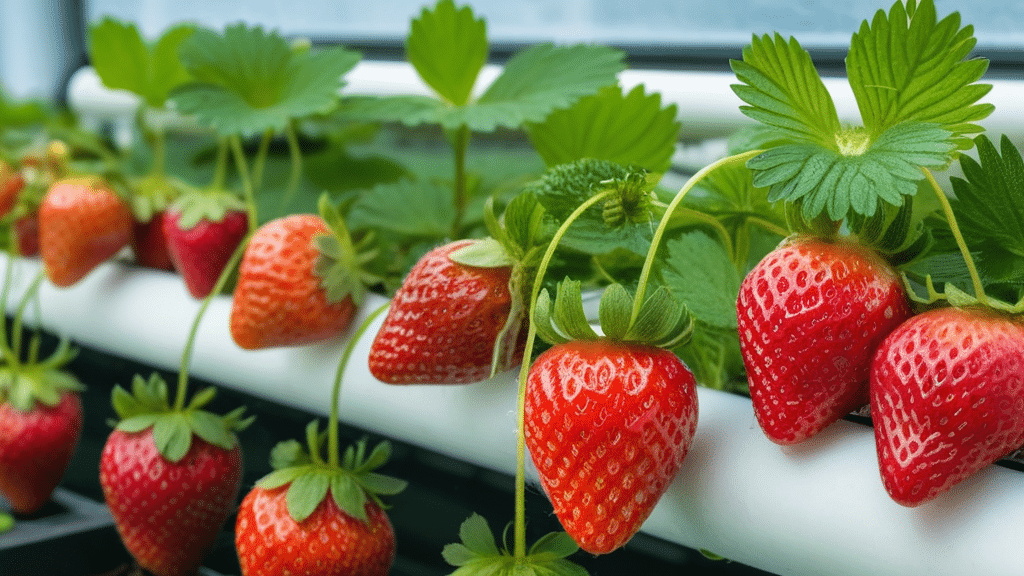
(483, 253)
(211, 428)
(561, 189)
(282, 476)
(306, 493)
(249, 80)
(407, 207)
(699, 273)
(448, 47)
(783, 89)
(123, 60)
(289, 454)
(989, 203)
(410, 110)
(138, 423)
(557, 544)
(824, 180)
(538, 81)
(382, 485)
(172, 436)
(908, 66)
(626, 129)
(476, 535)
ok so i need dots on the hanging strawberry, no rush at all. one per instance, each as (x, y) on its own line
(202, 230)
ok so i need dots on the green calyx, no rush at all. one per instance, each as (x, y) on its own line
(478, 554)
(210, 204)
(342, 263)
(147, 406)
(660, 320)
(24, 385)
(154, 193)
(352, 482)
(957, 298)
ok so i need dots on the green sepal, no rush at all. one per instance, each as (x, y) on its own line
(957, 298)
(483, 253)
(478, 554)
(341, 262)
(306, 492)
(207, 204)
(147, 407)
(564, 319)
(154, 193)
(41, 382)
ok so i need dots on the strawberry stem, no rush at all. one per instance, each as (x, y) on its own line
(260, 162)
(333, 445)
(645, 273)
(247, 188)
(519, 535)
(295, 176)
(947, 211)
(220, 167)
(19, 314)
(186, 356)
(460, 142)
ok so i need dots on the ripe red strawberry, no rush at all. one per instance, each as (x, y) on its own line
(11, 183)
(149, 243)
(40, 425)
(26, 232)
(445, 322)
(36, 447)
(608, 420)
(296, 284)
(312, 517)
(81, 224)
(170, 477)
(201, 242)
(947, 399)
(811, 315)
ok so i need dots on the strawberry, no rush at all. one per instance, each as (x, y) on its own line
(11, 183)
(810, 315)
(299, 282)
(608, 420)
(202, 231)
(170, 477)
(40, 425)
(81, 224)
(446, 321)
(149, 243)
(315, 518)
(150, 197)
(947, 399)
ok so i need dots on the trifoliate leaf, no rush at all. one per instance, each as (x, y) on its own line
(248, 80)
(908, 66)
(408, 207)
(123, 60)
(627, 129)
(858, 178)
(783, 90)
(448, 47)
(700, 274)
(989, 203)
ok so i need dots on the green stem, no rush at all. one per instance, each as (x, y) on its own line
(768, 226)
(260, 162)
(645, 273)
(247, 187)
(220, 167)
(19, 314)
(460, 142)
(519, 549)
(333, 447)
(714, 223)
(186, 355)
(295, 177)
(5, 348)
(947, 211)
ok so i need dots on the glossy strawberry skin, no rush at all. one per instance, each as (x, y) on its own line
(201, 252)
(168, 514)
(327, 543)
(279, 300)
(810, 316)
(35, 450)
(443, 323)
(149, 243)
(608, 425)
(81, 224)
(947, 399)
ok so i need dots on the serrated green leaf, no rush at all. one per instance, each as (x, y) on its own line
(306, 493)
(827, 181)
(989, 203)
(700, 274)
(349, 496)
(783, 89)
(410, 110)
(123, 60)
(448, 46)
(172, 436)
(458, 554)
(536, 82)
(248, 81)
(411, 208)
(626, 129)
(908, 66)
